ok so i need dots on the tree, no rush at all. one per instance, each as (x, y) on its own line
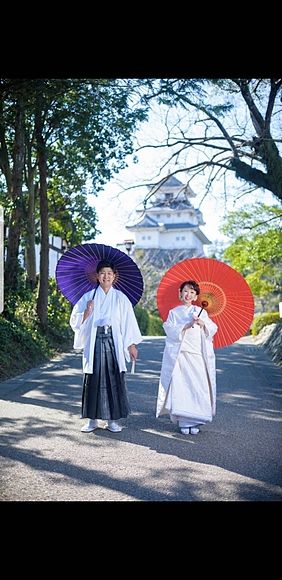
(56, 136)
(232, 125)
(256, 248)
(12, 165)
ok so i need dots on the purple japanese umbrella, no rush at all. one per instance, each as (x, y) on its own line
(76, 271)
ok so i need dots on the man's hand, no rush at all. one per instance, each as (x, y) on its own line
(133, 352)
(89, 309)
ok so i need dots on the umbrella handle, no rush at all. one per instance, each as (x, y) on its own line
(95, 292)
(204, 305)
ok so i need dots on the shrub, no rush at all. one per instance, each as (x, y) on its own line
(264, 319)
(155, 327)
(142, 318)
(19, 348)
(149, 324)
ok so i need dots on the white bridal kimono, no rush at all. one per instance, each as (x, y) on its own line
(113, 309)
(187, 387)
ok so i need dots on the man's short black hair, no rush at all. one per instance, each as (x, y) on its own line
(105, 264)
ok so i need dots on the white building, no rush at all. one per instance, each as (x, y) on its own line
(57, 247)
(170, 222)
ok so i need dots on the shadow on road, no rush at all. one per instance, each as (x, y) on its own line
(244, 438)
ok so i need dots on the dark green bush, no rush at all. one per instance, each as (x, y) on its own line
(142, 318)
(59, 311)
(23, 344)
(149, 324)
(155, 327)
(20, 349)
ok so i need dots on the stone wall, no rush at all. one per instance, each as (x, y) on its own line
(270, 338)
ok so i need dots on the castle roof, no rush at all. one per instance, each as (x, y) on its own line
(170, 184)
(148, 222)
(169, 181)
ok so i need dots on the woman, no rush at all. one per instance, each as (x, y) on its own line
(106, 328)
(187, 388)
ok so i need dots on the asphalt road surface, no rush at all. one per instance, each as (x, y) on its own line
(237, 457)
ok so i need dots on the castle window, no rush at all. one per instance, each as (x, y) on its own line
(183, 237)
(177, 238)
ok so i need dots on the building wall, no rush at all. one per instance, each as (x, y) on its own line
(174, 216)
(167, 240)
(148, 238)
(54, 256)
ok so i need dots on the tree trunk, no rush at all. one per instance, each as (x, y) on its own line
(42, 301)
(30, 259)
(12, 265)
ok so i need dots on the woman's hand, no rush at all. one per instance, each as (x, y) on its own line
(188, 325)
(133, 352)
(89, 309)
(198, 321)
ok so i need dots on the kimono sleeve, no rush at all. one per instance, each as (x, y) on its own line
(173, 327)
(81, 329)
(129, 327)
(210, 326)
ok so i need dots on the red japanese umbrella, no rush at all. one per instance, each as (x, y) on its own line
(225, 295)
(76, 271)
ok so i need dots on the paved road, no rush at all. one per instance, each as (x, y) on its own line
(45, 457)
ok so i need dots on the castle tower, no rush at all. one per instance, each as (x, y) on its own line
(168, 231)
(170, 222)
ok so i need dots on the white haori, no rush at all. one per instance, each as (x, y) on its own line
(112, 309)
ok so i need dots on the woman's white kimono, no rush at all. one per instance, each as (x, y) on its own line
(113, 309)
(187, 387)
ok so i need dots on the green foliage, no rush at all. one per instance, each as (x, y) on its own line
(59, 308)
(264, 319)
(19, 348)
(155, 327)
(22, 343)
(256, 250)
(142, 317)
(258, 217)
(71, 218)
(88, 128)
(258, 284)
(149, 324)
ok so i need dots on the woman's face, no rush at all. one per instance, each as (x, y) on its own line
(106, 278)
(188, 295)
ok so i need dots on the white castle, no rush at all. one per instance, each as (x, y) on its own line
(170, 222)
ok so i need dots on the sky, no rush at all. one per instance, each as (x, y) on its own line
(116, 205)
